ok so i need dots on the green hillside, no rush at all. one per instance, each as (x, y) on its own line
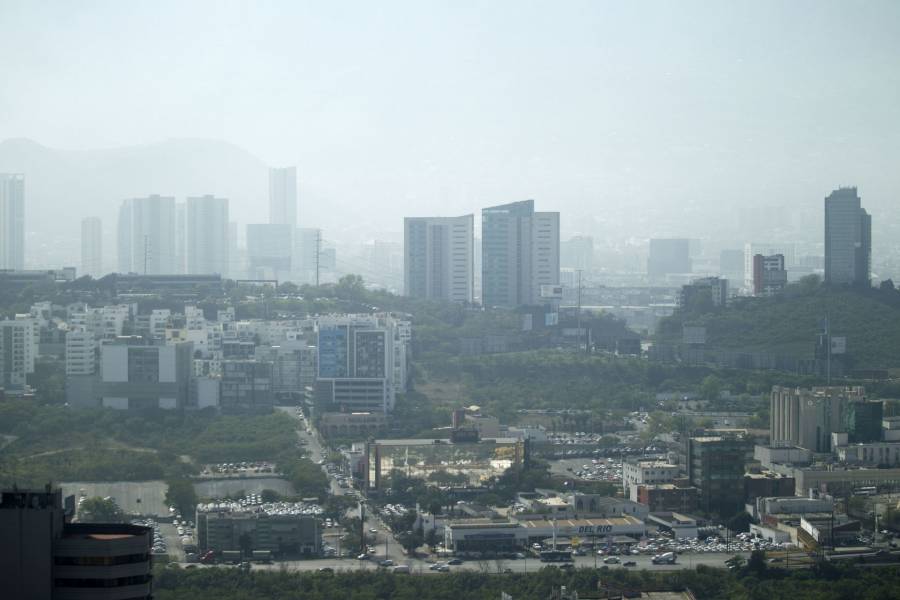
(789, 324)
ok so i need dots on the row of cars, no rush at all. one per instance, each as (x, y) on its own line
(241, 468)
(743, 542)
(159, 542)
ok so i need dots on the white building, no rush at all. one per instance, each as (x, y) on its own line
(283, 196)
(439, 258)
(81, 350)
(147, 239)
(92, 247)
(207, 236)
(12, 221)
(637, 472)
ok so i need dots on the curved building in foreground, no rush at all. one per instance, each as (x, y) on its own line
(42, 556)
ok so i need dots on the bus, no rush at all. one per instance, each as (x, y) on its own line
(556, 556)
(865, 491)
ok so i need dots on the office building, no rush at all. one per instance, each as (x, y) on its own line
(361, 363)
(12, 221)
(81, 352)
(863, 422)
(715, 466)
(92, 247)
(769, 275)
(246, 387)
(307, 255)
(636, 472)
(17, 351)
(42, 556)
(520, 253)
(704, 294)
(848, 239)
(439, 258)
(283, 196)
(269, 251)
(668, 257)
(181, 237)
(147, 240)
(807, 417)
(207, 236)
(227, 526)
(751, 249)
(137, 375)
(293, 366)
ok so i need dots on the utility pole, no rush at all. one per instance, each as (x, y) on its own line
(146, 252)
(318, 253)
(578, 316)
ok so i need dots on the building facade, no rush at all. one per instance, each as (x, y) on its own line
(283, 196)
(207, 236)
(136, 375)
(439, 258)
(520, 253)
(147, 236)
(12, 221)
(769, 274)
(92, 247)
(808, 417)
(716, 466)
(668, 257)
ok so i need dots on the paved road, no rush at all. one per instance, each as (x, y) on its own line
(685, 561)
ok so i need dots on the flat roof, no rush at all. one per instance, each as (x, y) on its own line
(623, 520)
(440, 441)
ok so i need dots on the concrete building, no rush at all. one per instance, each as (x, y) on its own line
(848, 239)
(44, 557)
(17, 352)
(715, 466)
(307, 258)
(361, 362)
(293, 366)
(704, 293)
(808, 417)
(283, 196)
(285, 535)
(751, 249)
(92, 247)
(520, 253)
(134, 374)
(668, 497)
(207, 236)
(636, 472)
(769, 274)
(668, 257)
(147, 235)
(439, 258)
(12, 221)
(354, 425)
(246, 387)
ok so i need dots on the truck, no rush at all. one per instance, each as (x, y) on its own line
(666, 558)
(401, 569)
(231, 556)
(263, 556)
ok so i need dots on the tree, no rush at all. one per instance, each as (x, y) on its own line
(100, 510)
(181, 495)
(268, 495)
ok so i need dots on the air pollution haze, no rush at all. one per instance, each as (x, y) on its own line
(634, 120)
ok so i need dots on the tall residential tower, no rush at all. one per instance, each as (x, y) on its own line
(92, 246)
(520, 253)
(207, 236)
(283, 196)
(439, 258)
(12, 221)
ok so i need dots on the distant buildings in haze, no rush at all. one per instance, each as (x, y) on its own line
(92, 247)
(12, 221)
(668, 257)
(283, 196)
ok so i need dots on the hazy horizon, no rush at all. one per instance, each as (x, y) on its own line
(631, 119)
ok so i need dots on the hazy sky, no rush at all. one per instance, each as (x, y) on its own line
(445, 107)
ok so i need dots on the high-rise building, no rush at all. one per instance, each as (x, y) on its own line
(12, 221)
(44, 556)
(769, 275)
(439, 258)
(283, 196)
(269, 251)
(520, 253)
(147, 236)
(848, 239)
(92, 247)
(181, 237)
(207, 236)
(668, 257)
(751, 249)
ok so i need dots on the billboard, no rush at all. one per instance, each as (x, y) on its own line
(551, 292)
(839, 345)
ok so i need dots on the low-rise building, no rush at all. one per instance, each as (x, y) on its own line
(639, 471)
(352, 425)
(668, 497)
(284, 535)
